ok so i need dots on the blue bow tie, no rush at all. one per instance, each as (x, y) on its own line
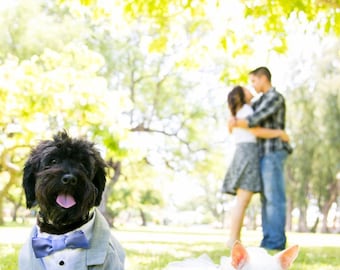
(45, 246)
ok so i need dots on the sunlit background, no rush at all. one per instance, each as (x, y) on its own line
(147, 81)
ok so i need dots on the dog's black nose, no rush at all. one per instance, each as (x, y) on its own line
(69, 179)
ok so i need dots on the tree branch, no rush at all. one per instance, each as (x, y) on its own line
(5, 159)
(142, 128)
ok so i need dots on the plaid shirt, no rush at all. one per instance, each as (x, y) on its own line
(269, 112)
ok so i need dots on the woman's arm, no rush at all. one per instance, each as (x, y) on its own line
(267, 133)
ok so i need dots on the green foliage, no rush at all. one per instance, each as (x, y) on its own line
(51, 92)
(120, 200)
(150, 197)
(272, 14)
(162, 10)
(268, 17)
(37, 26)
(314, 110)
(147, 80)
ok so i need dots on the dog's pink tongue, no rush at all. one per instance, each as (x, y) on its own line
(65, 200)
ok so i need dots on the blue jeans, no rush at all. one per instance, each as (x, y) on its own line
(273, 199)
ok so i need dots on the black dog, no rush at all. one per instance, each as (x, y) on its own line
(61, 173)
(65, 177)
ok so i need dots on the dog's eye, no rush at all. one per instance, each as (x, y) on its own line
(51, 162)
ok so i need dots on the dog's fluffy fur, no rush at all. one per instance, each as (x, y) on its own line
(48, 163)
(65, 178)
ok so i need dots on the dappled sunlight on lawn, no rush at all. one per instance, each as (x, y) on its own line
(170, 248)
(314, 240)
(140, 236)
(6, 250)
(152, 248)
(14, 235)
(193, 235)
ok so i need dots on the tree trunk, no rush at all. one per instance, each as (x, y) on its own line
(3, 194)
(16, 205)
(333, 193)
(15, 212)
(2, 221)
(302, 227)
(325, 212)
(222, 218)
(13, 170)
(116, 166)
(289, 223)
(315, 226)
(143, 217)
(251, 214)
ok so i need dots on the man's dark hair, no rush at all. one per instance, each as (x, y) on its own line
(262, 71)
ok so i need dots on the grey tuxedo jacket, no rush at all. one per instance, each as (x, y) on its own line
(105, 252)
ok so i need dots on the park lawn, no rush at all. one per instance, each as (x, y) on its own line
(153, 248)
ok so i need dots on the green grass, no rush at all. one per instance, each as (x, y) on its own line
(154, 248)
(8, 257)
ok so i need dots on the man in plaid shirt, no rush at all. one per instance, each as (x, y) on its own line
(269, 112)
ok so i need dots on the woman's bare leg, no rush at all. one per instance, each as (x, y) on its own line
(237, 214)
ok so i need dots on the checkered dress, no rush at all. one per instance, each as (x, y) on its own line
(244, 171)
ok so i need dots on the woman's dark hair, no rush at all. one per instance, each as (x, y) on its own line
(236, 99)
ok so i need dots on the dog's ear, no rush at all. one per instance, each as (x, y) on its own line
(29, 179)
(239, 255)
(287, 256)
(99, 179)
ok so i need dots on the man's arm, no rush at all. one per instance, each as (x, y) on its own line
(270, 105)
(264, 133)
(267, 133)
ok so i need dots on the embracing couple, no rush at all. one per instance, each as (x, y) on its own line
(258, 164)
